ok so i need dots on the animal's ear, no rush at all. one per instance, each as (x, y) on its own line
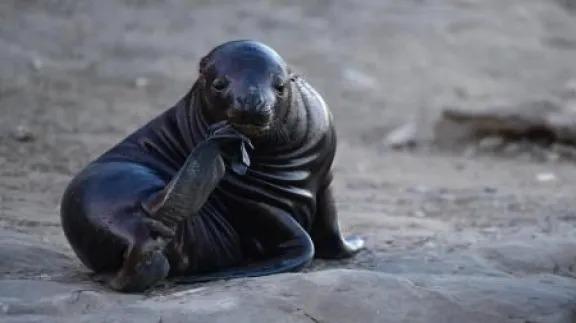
(292, 75)
(203, 64)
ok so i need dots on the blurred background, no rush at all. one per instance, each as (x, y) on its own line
(456, 118)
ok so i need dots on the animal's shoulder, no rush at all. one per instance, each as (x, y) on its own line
(319, 114)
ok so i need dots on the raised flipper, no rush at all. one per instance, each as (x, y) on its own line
(190, 188)
(294, 251)
(326, 233)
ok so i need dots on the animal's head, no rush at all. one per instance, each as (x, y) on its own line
(246, 83)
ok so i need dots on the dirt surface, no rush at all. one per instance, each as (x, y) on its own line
(78, 76)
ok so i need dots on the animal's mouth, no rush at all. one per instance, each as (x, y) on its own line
(251, 130)
(252, 122)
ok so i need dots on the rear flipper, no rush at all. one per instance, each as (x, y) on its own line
(292, 253)
(144, 265)
(142, 269)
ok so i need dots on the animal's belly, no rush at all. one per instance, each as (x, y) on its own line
(207, 241)
(249, 195)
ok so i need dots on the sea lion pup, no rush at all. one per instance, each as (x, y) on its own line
(232, 181)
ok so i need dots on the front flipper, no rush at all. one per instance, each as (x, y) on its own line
(295, 251)
(190, 188)
(326, 233)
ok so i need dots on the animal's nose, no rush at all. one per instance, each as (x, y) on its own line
(251, 108)
(250, 102)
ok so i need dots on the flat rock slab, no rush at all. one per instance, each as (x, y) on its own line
(543, 119)
(24, 255)
(325, 296)
(528, 280)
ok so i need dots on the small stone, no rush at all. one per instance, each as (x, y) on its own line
(489, 230)
(420, 214)
(564, 151)
(470, 152)
(141, 82)
(461, 92)
(512, 148)
(546, 177)
(359, 78)
(23, 134)
(489, 189)
(459, 165)
(401, 137)
(420, 189)
(570, 88)
(552, 156)
(37, 63)
(490, 143)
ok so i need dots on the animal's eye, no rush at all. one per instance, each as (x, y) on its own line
(219, 84)
(280, 87)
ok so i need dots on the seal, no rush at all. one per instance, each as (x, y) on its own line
(232, 181)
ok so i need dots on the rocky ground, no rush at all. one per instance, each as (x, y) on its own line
(455, 162)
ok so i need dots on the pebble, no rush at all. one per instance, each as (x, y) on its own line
(401, 137)
(420, 214)
(359, 79)
(490, 143)
(420, 189)
(564, 151)
(512, 148)
(546, 177)
(141, 82)
(570, 88)
(489, 189)
(23, 134)
(37, 63)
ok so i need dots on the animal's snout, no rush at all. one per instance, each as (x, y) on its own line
(250, 102)
(251, 109)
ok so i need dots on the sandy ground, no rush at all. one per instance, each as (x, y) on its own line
(77, 76)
